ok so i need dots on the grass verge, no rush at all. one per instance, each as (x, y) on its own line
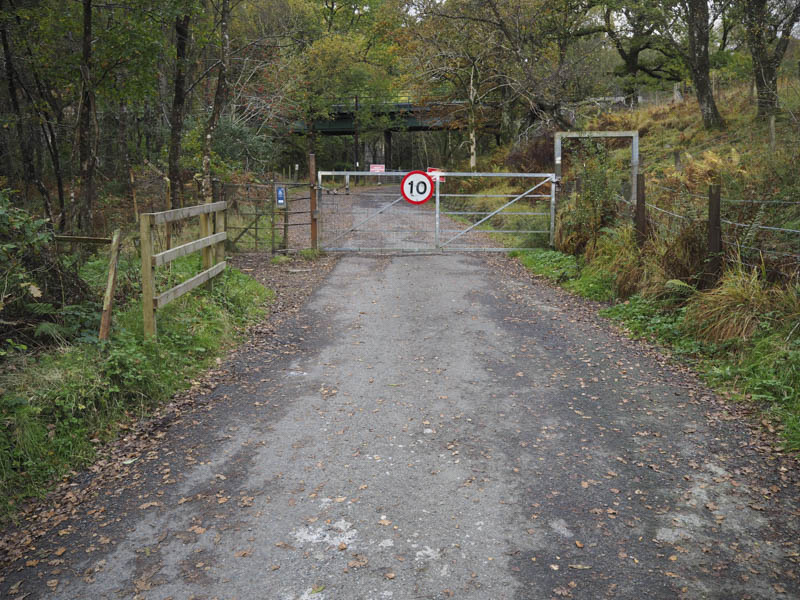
(752, 353)
(58, 406)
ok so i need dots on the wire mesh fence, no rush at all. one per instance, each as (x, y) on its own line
(256, 222)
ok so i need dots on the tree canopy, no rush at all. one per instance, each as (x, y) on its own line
(94, 90)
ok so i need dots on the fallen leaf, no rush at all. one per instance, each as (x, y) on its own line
(359, 560)
(389, 575)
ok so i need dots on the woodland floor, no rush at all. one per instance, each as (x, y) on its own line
(439, 426)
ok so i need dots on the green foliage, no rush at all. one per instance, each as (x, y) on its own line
(35, 304)
(23, 238)
(585, 281)
(548, 263)
(54, 406)
(582, 218)
(594, 283)
(310, 253)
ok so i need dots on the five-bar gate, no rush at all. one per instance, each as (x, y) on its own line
(364, 211)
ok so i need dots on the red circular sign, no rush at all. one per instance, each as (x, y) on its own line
(417, 187)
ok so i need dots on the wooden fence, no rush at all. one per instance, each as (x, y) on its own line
(211, 243)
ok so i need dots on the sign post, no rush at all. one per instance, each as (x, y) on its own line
(417, 187)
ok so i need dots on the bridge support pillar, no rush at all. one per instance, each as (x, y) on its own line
(387, 149)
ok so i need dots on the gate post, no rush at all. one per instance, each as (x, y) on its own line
(436, 231)
(312, 180)
(148, 284)
(553, 185)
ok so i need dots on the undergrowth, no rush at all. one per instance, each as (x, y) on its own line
(56, 406)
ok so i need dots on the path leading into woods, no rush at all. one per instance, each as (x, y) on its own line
(439, 427)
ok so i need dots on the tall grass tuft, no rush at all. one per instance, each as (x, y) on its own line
(735, 308)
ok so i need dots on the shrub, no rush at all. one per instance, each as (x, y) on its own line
(584, 215)
(39, 293)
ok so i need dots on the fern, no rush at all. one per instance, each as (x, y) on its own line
(680, 287)
(54, 331)
(41, 309)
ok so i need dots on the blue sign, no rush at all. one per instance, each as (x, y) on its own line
(280, 196)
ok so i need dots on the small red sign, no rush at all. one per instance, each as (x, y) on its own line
(417, 187)
(434, 173)
(377, 168)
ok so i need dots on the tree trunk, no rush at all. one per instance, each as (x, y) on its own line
(473, 138)
(699, 63)
(220, 98)
(766, 76)
(631, 70)
(86, 149)
(767, 47)
(24, 141)
(178, 102)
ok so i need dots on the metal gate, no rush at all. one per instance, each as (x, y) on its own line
(364, 211)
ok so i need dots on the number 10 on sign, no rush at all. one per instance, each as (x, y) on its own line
(417, 187)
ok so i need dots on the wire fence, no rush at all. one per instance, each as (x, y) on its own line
(774, 246)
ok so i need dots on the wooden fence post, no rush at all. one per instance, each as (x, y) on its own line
(218, 193)
(205, 231)
(714, 268)
(772, 133)
(108, 298)
(148, 283)
(272, 201)
(168, 204)
(640, 214)
(286, 223)
(312, 179)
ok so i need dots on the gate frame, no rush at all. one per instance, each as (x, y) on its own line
(438, 246)
(633, 134)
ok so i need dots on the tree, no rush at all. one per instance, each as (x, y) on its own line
(220, 96)
(632, 29)
(686, 26)
(459, 59)
(768, 30)
(87, 136)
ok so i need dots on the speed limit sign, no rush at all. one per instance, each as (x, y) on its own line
(417, 187)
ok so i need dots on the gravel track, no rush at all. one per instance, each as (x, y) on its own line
(440, 426)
